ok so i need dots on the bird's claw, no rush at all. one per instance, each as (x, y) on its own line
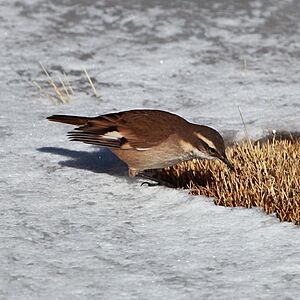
(150, 183)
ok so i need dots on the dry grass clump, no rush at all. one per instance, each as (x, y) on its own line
(266, 176)
(62, 91)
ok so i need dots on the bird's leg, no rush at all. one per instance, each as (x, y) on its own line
(132, 172)
(156, 182)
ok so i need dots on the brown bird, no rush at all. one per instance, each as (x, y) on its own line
(147, 139)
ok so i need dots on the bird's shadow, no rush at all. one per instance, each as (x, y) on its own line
(100, 161)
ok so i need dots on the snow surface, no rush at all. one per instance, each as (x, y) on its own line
(73, 225)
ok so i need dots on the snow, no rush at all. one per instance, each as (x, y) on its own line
(73, 225)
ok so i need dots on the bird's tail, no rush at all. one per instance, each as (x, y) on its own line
(74, 120)
(101, 131)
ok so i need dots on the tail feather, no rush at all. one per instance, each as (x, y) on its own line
(100, 131)
(100, 140)
(74, 120)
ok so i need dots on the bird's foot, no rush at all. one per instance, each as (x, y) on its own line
(156, 182)
(150, 183)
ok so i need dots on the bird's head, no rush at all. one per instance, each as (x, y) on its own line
(209, 144)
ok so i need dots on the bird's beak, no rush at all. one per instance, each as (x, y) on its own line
(227, 162)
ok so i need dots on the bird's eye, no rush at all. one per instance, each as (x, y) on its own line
(213, 150)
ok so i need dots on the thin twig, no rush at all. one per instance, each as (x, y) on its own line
(244, 124)
(91, 83)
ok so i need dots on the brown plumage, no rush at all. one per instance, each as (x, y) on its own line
(147, 139)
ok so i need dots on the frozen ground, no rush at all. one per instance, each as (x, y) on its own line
(72, 226)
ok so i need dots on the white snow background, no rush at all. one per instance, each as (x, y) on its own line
(72, 224)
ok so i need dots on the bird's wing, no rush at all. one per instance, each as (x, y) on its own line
(135, 129)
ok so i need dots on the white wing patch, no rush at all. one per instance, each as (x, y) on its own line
(142, 149)
(113, 135)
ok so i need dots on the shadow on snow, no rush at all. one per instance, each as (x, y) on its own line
(100, 161)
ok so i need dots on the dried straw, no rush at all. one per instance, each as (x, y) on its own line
(266, 176)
